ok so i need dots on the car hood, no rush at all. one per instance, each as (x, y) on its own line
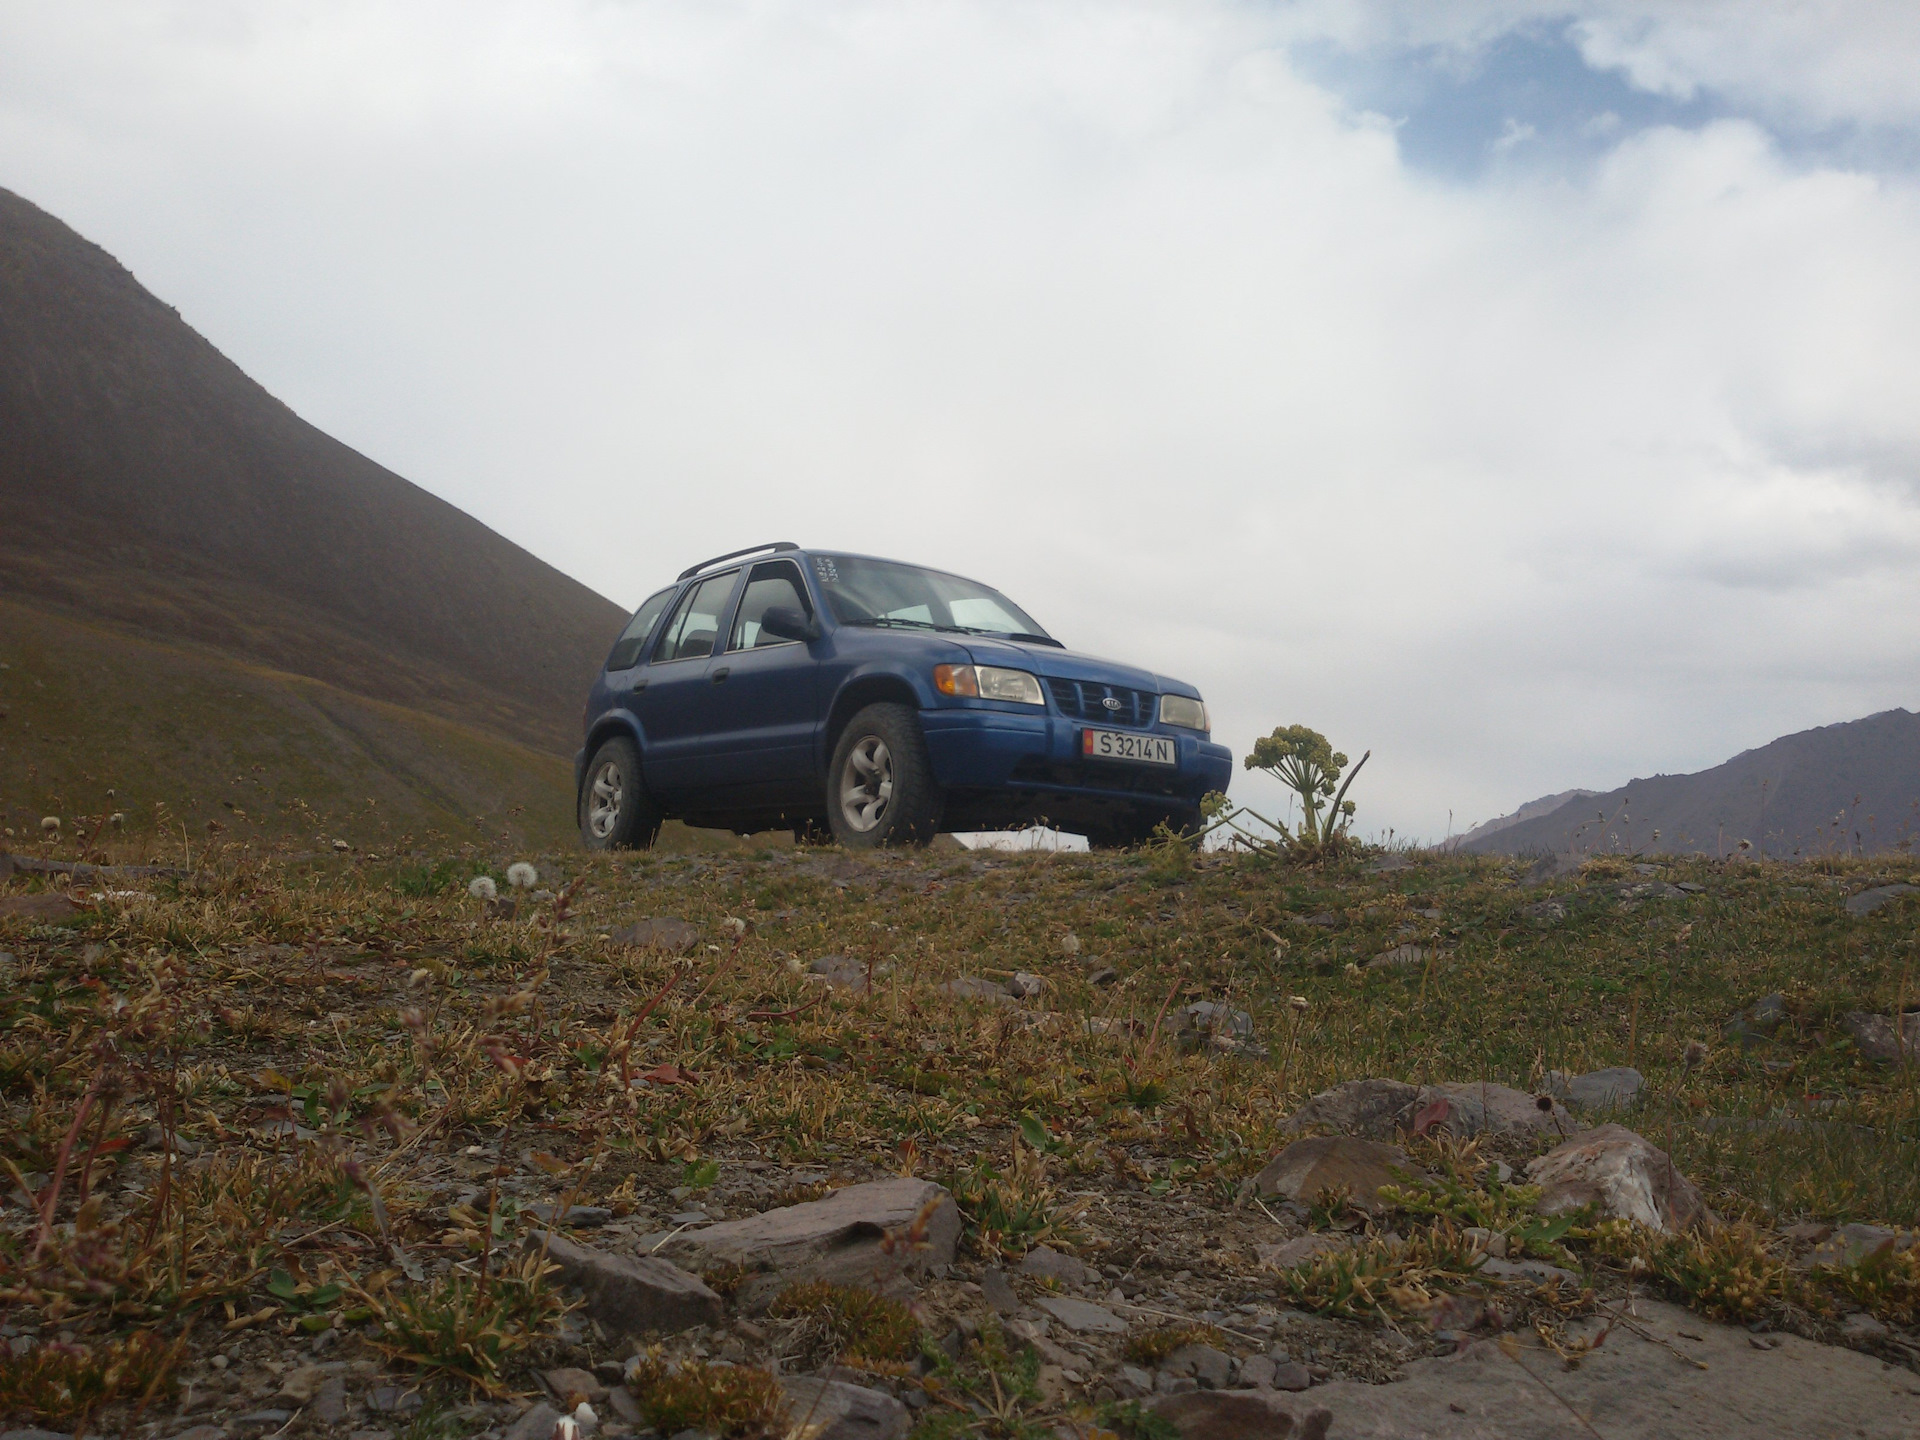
(1071, 665)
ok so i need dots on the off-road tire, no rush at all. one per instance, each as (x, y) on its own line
(880, 772)
(614, 810)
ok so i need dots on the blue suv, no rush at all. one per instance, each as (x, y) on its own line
(880, 702)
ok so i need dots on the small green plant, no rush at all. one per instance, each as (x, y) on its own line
(1886, 1283)
(1304, 762)
(862, 1325)
(1376, 1277)
(1727, 1272)
(473, 1328)
(1153, 1346)
(732, 1401)
(1010, 1213)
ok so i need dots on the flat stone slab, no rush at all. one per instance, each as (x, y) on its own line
(834, 1410)
(1081, 1317)
(1299, 1251)
(1868, 901)
(1306, 1168)
(1375, 1108)
(1243, 1415)
(1633, 1389)
(1614, 1088)
(1872, 1034)
(633, 1294)
(50, 906)
(1482, 1107)
(872, 1235)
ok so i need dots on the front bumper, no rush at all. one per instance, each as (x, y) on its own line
(991, 749)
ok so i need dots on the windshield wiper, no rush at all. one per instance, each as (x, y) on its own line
(894, 620)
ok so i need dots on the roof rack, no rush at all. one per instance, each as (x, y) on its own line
(693, 570)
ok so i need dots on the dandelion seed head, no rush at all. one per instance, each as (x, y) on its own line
(522, 876)
(50, 824)
(481, 887)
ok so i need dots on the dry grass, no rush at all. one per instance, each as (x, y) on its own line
(349, 1074)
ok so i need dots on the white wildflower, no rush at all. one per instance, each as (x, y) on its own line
(50, 824)
(522, 876)
(482, 888)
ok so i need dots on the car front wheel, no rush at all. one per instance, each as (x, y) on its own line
(616, 812)
(880, 788)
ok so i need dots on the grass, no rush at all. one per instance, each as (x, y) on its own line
(730, 1401)
(863, 1329)
(245, 1085)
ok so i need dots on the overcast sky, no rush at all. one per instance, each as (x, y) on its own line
(1526, 392)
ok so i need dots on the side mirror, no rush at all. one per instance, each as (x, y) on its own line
(786, 622)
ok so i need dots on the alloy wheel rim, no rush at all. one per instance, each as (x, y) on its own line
(603, 800)
(866, 784)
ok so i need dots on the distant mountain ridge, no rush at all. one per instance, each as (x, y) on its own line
(145, 479)
(1545, 805)
(1854, 785)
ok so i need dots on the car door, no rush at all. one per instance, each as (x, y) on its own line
(762, 696)
(679, 754)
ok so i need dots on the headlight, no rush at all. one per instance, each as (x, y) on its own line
(988, 682)
(1181, 711)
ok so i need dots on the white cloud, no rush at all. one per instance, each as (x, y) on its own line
(1544, 481)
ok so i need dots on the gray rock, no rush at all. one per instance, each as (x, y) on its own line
(1868, 901)
(1046, 1263)
(1307, 1168)
(664, 932)
(259, 1422)
(1131, 1382)
(1529, 1272)
(67, 1435)
(1081, 1317)
(1374, 1108)
(876, 1235)
(1850, 1244)
(633, 1294)
(622, 1402)
(571, 1385)
(394, 1400)
(841, 973)
(536, 1424)
(1873, 1035)
(1024, 985)
(1165, 1382)
(998, 1293)
(1291, 1375)
(1256, 1372)
(580, 1217)
(1400, 957)
(198, 1432)
(1614, 1088)
(330, 1402)
(1758, 1021)
(1483, 1108)
(1545, 913)
(1861, 1328)
(1212, 1368)
(1626, 1176)
(1634, 1389)
(834, 1410)
(1220, 1029)
(1242, 1415)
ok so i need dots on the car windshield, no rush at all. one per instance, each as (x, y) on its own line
(883, 592)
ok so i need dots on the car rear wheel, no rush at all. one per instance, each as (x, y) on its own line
(615, 811)
(880, 788)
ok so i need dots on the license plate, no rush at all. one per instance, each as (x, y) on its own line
(1135, 749)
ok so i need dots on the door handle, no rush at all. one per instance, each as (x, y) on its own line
(639, 684)
(720, 674)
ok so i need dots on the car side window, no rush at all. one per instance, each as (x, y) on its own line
(774, 583)
(695, 627)
(633, 639)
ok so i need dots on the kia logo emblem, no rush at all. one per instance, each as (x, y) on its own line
(1111, 703)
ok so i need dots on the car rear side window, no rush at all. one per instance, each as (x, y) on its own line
(695, 627)
(774, 583)
(633, 639)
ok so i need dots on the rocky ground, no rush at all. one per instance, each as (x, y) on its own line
(1145, 1145)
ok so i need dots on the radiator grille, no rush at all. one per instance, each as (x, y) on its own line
(1086, 700)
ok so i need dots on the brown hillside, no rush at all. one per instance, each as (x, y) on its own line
(146, 480)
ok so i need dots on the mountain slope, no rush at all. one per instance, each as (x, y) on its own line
(183, 735)
(145, 479)
(1545, 805)
(1854, 785)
